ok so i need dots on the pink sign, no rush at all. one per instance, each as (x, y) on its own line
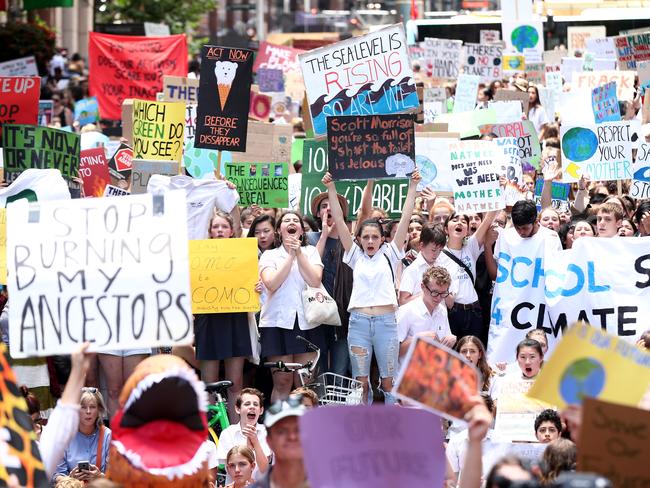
(272, 56)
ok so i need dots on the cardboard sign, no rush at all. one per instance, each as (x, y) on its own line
(475, 168)
(483, 60)
(158, 130)
(19, 67)
(530, 151)
(263, 184)
(124, 67)
(363, 75)
(137, 295)
(224, 98)
(387, 194)
(223, 274)
(520, 35)
(640, 187)
(632, 49)
(29, 146)
(513, 95)
(443, 57)
(588, 362)
(270, 80)
(271, 56)
(121, 163)
(577, 36)
(86, 111)
(466, 92)
(19, 100)
(515, 419)
(45, 110)
(438, 379)
(604, 103)
(267, 143)
(624, 82)
(352, 447)
(615, 442)
(142, 171)
(535, 73)
(431, 158)
(602, 151)
(180, 89)
(371, 146)
(512, 167)
(93, 170)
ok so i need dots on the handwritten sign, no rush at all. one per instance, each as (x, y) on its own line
(86, 111)
(19, 67)
(487, 36)
(114, 191)
(640, 187)
(272, 56)
(262, 184)
(604, 103)
(443, 57)
(341, 446)
(512, 168)
(577, 36)
(484, 60)
(516, 414)
(270, 80)
(466, 92)
(224, 98)
(223, 274)
(180, 89)
(93, 170)
(143, 170)
(467, 123)
(632, 49)
(624, 81)
(374, 146)
(527, 139)
(19, 100)
(158, 130)
(136, 295)
(475, 167)
(602, 47)
(535, 73)
(434, 103)
(363, 75)
(559, 195)
(29, 146)
(602, 151)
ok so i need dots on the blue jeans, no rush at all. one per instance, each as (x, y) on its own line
(376, 333)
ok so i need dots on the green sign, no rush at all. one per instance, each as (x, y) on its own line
(387, 194)
(262, 184)
(31, 146)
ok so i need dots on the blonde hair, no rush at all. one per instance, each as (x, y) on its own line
(68, 482)
(223, 215)
(87, 394)
(245, 451)
(307, 393)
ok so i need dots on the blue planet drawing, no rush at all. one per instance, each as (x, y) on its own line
(579, 144)
(428, 170)
(524, 36)
(201, 163)
(584, 377)
(514, 62)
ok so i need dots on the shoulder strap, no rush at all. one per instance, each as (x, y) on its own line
(460, 263)
(100, 445)
(392, 273)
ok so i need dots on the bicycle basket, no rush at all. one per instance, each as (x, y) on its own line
(334, 389)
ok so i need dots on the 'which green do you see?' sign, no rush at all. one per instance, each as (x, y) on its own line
(263, 184)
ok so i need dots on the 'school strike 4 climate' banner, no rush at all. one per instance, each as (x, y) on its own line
(364, 75)
(124, 67)
(641, 168)
(605, 282)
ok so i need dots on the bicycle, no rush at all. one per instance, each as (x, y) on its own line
(218, 419)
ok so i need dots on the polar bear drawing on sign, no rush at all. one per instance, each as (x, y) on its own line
(224, 72)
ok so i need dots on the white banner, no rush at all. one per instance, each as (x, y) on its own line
(640, 187)
(19, 67)
(110, 271)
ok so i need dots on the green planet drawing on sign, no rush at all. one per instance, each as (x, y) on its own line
(523, 37)
(579, 144)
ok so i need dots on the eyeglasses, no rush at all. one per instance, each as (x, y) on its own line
(89, 389)
(293, 401)
(436, 294)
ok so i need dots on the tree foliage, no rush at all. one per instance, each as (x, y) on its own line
(19, 39)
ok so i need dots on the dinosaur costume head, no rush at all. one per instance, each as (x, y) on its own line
(160, 428)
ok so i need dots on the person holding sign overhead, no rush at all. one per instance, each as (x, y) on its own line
(372, 325)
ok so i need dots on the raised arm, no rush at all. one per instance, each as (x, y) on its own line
(407, 211)
(365, 210)
(551, 171)
(479, 419)
(337, 212)
(485, 225)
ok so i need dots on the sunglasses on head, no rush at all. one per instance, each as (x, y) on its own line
(89, 389)
(293, 401)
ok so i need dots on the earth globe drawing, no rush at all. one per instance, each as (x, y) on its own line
(427, 168)
(524, 36)
(584, 377)
(514, 62)
(579, 144)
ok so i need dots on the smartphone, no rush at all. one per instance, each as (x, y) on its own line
(83, 466)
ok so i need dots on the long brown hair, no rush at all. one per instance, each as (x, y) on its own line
(559, 456)
(482, 365)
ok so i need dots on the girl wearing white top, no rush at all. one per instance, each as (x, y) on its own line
(285, 271)
(372, 325)
(536, 113)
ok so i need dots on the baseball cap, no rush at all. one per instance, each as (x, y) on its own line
(290, 407)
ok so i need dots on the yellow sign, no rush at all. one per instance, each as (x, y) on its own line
(223, 274)
(3, 246)
(158, 130)
(591, 363)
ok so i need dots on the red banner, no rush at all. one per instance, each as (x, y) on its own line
(271, 56)
(19, 100)
(132, 67)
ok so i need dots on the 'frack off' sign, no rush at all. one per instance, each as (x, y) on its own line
(110, 271)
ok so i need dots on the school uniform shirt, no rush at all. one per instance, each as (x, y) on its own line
(282, 305)
(457, 449)
(232, 437)
(414, 318)
(468, 254)
(203, 196)
(412, 275)
(374, 277)
(537, 115)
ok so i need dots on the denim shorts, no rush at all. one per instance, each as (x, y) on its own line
(376, 333)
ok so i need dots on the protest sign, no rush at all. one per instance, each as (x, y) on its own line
(19, 100)
(431, 159)
(268, 142)
(271, 56)
(114, 191)
(631, 50)
(142, 171)
(487, 36)
(127, 285)
(93, 170)
(120, 164)
(604, 103)
(624, 81)
(515, 419)
(507, 95)
(602, 151)
(554, 57)
(434, 103)
(483, 60)
(526, 136)
(260, 107)
(224, 98)
(387, 194)
(29, 146)
(520, 35)
(602, 47)
(19, 67)
(535, 73)
(3, 246)
(466, 92)
(615, 442)
(475, 168)
(223, 275)
(512, 168)
(507, 111)
(443, 57)
(371, 146)
(180, 89)
(640, 187)
(262, 184)
(45, 111)
(589, 362)
(467, 123)
(551, 288)
(270, 80)
(577, 36)
(86, 111)
(363, 75)
(559, 195)
(378, 446)
(124, 67)
(571, 66)
(438, 379)
(643, 70)
(158, 130)
(513, 64)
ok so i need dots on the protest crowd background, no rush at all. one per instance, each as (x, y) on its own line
(394, 259)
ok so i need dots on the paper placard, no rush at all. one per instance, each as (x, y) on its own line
(604, 103)
(577, 36)
(270, 80)
(632, 49)
(624, 82)
(433, 163)
(443, 57)
(483, 60)
(19, 100)
(180, 89)
(93, 170)
(513, 95)
(520, 35)
(263, 184)
(86, 111)
(158, 130)
(466, 92)
(516, 414)
(526, 137)
(19, 67)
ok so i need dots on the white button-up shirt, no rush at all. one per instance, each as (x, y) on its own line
(412, 274)
(414, 318)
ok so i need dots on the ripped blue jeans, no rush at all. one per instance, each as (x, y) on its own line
(378, 333)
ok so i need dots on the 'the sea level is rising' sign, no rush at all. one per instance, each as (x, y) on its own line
(110, 271)
(364, 75)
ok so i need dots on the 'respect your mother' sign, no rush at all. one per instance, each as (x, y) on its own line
(364, 75)
(110, 271)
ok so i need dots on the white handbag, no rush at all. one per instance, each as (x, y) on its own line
(320, 307)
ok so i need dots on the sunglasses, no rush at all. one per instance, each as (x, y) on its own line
(436, 294)
(89, 389)
(293, 401)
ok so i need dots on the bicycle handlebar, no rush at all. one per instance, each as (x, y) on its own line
(314, 348)
(286, 367)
